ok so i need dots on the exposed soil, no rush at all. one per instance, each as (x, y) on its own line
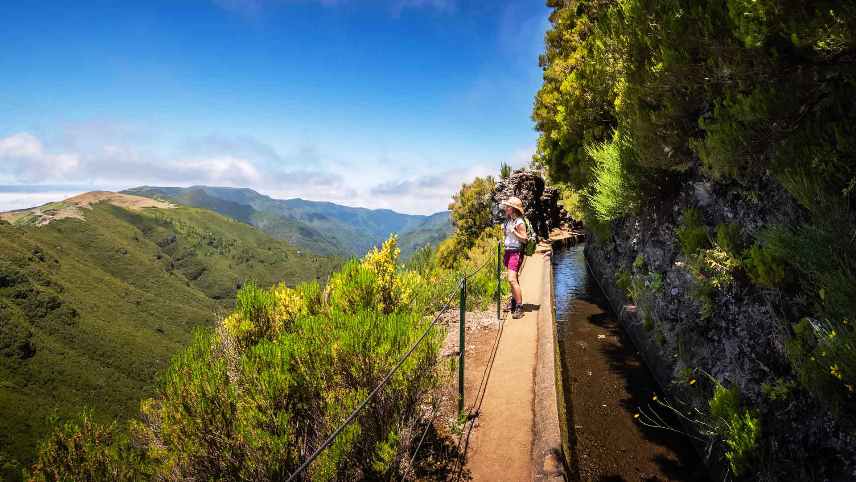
(127, 201)
(72, 208)
(605, 385)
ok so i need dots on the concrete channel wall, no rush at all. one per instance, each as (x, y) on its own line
(548, 448)
(552, 448)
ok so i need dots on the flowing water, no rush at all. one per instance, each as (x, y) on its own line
(605, 383)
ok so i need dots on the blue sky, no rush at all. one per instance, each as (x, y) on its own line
(379, 103)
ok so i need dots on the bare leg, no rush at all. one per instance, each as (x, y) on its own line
(516, 293)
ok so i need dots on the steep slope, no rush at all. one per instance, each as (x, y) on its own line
(93, 305)
(320, 227)
(430, 232)
(712, 148)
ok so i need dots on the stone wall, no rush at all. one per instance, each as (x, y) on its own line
(742, 343)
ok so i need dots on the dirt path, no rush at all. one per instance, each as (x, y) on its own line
(501, 444)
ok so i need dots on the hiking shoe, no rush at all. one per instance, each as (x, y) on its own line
(508, 306)
(518, 313)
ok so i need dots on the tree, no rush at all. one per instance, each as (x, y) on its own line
(471, 209)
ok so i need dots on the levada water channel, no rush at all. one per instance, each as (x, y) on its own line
(605, 384)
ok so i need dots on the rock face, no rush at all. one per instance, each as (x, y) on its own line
(741, 342)
(540, 202)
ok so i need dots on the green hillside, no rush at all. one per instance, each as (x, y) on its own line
(431, 231)
(321, 227)
(91, 310)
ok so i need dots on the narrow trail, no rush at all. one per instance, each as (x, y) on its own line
(514, 435)
(507, 436)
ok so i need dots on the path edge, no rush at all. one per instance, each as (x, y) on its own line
(548, 460)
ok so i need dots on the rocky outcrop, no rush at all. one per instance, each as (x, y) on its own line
(741, 342)
(540, 202)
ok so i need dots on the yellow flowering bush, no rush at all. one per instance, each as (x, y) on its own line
(264, 313)
(285, 369)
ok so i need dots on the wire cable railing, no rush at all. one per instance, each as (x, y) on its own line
(462, 286)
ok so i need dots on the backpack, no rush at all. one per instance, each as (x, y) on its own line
(529, 246)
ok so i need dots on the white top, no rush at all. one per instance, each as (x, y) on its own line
(511, 240)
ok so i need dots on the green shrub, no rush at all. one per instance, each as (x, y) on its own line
(189, 426)
(823, 347)
(692, 233)
(717, 268)
(824, 257)
(778, 391)
(648, 323)
(824, 358)
(244, 401)
(471, 210)
(764, 267)
(655, 281)
(623, 279)
(572, 200)
(712, 270)
(703, 293)
(84, 450)
(451, 252)
(10, 468)
(481, 288)
(354, 288)
(723, 149)
(613, 194)
(312, 294)
(422, 260)
(504, 171)
(637, 289)
(261, 313)
(728, 238)
(599, 229)
(739, 428)
(16, 336)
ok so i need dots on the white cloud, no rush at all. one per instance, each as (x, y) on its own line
(10, 201)
(425, 194)
(100, 157)
(521, 157)
(24, 158)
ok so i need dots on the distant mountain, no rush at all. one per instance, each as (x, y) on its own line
(321, 227)
(431, 231)
(99, 291)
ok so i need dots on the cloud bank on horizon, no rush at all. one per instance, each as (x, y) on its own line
(375, 103)
(32, 174)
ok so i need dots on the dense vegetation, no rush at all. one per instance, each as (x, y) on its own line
(319, 227)
(91, 310)
(471, 217)
(642, 97)
(250, 399)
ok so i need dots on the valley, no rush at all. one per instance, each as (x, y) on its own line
(320, 227)
(98, 292)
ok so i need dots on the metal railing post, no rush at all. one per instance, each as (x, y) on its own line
(462, 345)
(498, 279)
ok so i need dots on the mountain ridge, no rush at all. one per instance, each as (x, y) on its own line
(93, 306)
(323, 227)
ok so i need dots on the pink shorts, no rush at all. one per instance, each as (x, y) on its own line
(513, 260)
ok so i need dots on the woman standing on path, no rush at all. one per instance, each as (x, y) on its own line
(514, 229)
